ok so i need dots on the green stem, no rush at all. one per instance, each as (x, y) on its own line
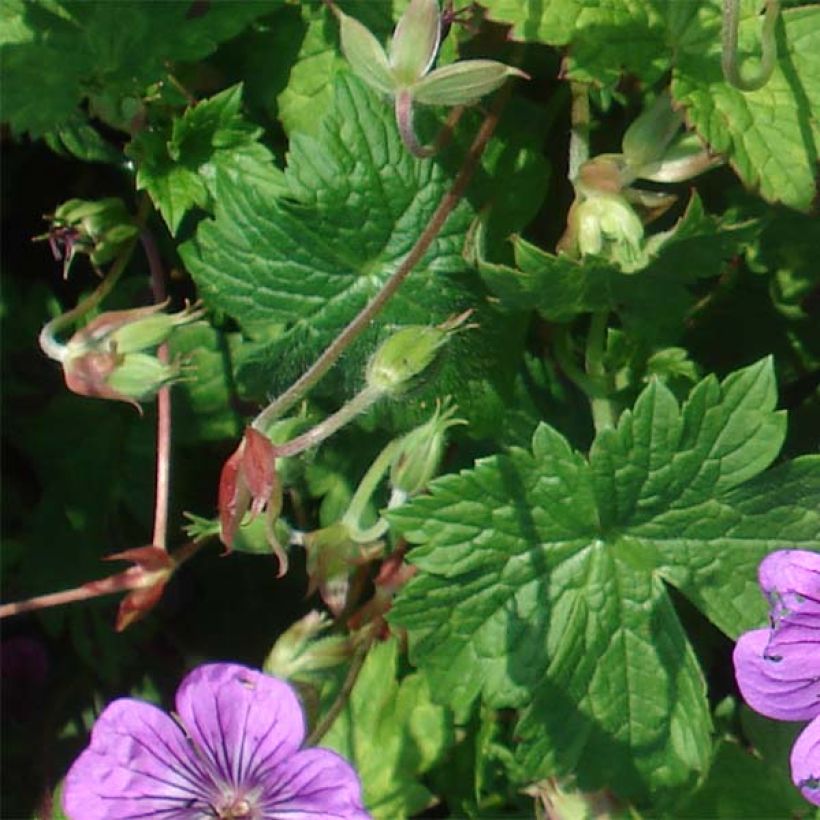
(364, 492)
(48, 341)
(345, 414)
(768, 45)
(328, 358)
(564, 356)
(603, 413)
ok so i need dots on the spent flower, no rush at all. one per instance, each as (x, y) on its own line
(234, 751)
(114, 355)
(608, 214)
(249, 483)
(778, 669)
(404, 71)
(97, 228)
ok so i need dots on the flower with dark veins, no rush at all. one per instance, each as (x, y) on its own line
(778, 669)
(233, 752)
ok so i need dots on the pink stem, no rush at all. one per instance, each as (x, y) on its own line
(163, 483)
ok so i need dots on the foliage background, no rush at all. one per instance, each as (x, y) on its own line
(242, 200)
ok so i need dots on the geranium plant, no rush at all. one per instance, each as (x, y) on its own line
(446, 371)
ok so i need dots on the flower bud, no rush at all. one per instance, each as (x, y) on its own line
(646, 140)
(365, 54)
(299, 651)
(332, 556)
(415, 41)
(685, 159)
(107, 358)
(420, 452)
(463, 83)
(401, 359)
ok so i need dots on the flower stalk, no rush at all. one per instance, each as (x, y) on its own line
(730, 62)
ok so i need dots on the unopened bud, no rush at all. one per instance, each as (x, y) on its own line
(401, 359)
(420, 452)
(300, 651)
(98, 228)
(685, 159)
(365, 54)
(108, 357)
(646, 140)
(463, 83)
(415, 41)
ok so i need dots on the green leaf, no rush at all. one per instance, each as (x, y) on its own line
(739, 784)
(607, 37)
(56, 53)
(541, 577)
(308, 92)
(770, 136)
(652, 300)
(392, 732)
(203, 400)
(361, 202)
(210, 147)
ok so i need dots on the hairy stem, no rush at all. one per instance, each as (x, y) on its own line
(332, 424)
(120, 582)
(768, 45)
(448, 203)
(163, 481)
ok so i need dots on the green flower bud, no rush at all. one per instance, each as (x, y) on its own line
(419, 456)
(685, 159)
(415, 41)
(108, 357)
(98, 228)
(332, 557)
(299, 651)
(365, 54)
(463, 83)
(646, 140)
(400, 360)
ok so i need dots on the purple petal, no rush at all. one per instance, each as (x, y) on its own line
(138, 764)
(791, 581)
(314, 784)
(244, 721)
(786, 687)
(806, 762)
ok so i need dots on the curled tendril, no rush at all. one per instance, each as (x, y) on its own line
(768, 57)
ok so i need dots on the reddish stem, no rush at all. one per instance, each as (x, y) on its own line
(163, 483)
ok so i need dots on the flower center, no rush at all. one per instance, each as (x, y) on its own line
(235, 807)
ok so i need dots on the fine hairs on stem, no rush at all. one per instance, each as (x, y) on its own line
(331, 353)
(768, 44)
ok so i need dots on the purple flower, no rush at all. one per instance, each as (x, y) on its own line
(778, 669)
(235, 753)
